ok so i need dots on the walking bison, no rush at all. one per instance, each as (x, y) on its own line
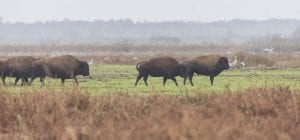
(166, 67)
(209, 65)
(19, 67)
(63, 67)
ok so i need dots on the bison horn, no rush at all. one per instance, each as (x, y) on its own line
(91, 62)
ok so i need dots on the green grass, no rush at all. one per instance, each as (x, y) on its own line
(121, 79)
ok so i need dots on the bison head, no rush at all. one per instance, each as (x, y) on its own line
(184, 69)
(223, 63)
(84, 69)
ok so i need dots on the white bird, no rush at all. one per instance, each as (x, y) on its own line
(270, 51)
(235, 63)
(232, 64)
(243, 64)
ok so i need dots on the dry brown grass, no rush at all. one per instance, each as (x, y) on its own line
(256, 113)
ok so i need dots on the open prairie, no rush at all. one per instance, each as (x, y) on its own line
(258, 101)
(121, 78)
(207, 70)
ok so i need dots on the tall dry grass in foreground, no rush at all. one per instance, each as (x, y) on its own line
(272, 113)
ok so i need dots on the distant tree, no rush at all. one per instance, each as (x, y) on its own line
(296, 33)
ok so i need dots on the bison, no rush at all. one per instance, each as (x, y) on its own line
(166, 67)
(19, 67)
(209, 65)
(63, 67)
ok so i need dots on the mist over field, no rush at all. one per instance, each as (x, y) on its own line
(170, 32)
(141, 69)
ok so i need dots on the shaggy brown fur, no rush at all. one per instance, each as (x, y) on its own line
(63, 67)
(19, 67)
(165, 66)
(209, 65)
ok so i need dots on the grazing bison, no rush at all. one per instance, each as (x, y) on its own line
(166, 67)
(19, 67)
(63, 67)
(210, 65)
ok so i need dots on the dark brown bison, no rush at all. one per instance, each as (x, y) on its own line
(166, 67)
(209, 65)
(19, 67)
(63, 67)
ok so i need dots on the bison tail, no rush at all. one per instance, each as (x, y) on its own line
(138, 65)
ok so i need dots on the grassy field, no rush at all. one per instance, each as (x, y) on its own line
(243, 104)
(121, 79)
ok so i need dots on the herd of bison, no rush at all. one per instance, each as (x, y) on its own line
(68, 67)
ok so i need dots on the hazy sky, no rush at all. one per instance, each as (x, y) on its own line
(150, 10)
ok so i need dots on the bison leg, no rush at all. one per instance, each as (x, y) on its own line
(42, 80)
(191, 79)
(211, 80)
(3, 79)
(145, 79)
(165, 80)
(184, 80)
(138, 78)
(31, 80)
(17, 79)
(23, 80)
(174, 79)
(63, 81)
(76, 82)
(26, 80)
